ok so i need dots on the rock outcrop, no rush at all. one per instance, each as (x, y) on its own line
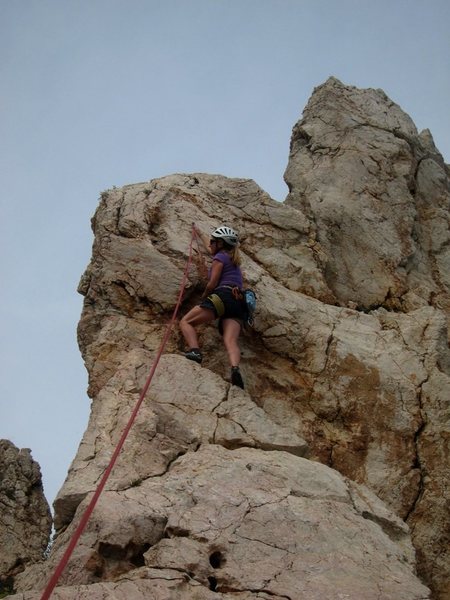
(377, 198)
(25, 519)
(244, 523)
(221, 492)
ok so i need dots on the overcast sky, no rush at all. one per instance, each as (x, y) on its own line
(103, 93)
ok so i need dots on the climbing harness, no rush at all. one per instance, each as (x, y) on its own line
(87, 513)
(247, 296)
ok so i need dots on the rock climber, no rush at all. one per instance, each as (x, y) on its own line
(222, 298)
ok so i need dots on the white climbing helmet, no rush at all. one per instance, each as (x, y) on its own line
(225, 233)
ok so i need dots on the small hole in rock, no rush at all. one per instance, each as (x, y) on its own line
(216, 560)
(137, 559)
(212, 583)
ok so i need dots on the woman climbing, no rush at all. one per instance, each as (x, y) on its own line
(222, 299)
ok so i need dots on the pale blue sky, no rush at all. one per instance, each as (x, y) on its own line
(102, 93)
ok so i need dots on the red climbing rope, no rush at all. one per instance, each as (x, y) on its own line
(87, 513)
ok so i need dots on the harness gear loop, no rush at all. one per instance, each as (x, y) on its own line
(218, 304)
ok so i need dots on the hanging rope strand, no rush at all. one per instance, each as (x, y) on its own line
(87, 513)
(200, 261)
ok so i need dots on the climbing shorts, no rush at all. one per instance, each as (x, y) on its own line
(227, 303)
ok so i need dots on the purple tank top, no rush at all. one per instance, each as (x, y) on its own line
(231, 273)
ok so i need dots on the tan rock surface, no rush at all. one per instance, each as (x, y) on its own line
(25, 519)
(186, 406)
(246, 521)
(348, 382)
(377, 197)
(348, 364)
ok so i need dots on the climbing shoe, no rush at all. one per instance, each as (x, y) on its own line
(236, 377)
(195, 355)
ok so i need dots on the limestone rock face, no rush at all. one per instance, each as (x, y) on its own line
(306, 484)
(25, 519)
(186, 406)
(377, 197)
(247, 523)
